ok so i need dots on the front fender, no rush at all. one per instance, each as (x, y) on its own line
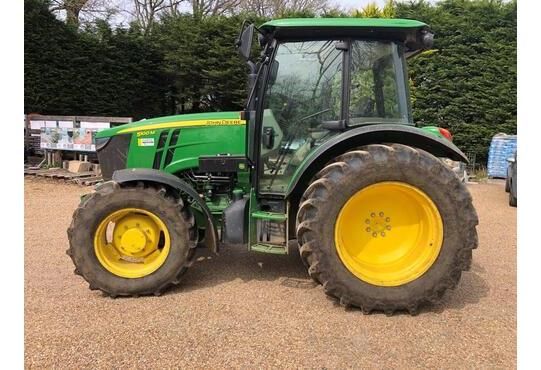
(160, 177)
(374, 134)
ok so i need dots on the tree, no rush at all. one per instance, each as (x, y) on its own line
(87, 10)
(468, 84)
(372, 10)
(201, 62)
(94, 71)
(202, 8)
(280, 8)
(147, 11)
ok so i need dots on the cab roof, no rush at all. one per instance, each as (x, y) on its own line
(407, 30)
(342, 22)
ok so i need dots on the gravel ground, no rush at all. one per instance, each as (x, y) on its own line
(251, 310)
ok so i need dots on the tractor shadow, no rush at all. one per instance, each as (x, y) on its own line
(236, 262)
(471, 289)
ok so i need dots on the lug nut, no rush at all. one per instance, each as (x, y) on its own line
(372, 214)
(368, 229)
(381, 214)
(374, 234)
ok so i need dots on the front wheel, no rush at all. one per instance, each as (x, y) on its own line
(402, 229)
(130, 241)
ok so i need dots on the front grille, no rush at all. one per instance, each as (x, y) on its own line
(113, 155)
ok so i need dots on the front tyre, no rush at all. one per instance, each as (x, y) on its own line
(131, 241)
(402, 229)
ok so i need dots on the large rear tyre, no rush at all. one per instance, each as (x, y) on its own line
(131, 241)
(387, 228)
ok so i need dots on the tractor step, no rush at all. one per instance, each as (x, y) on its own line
(269, 248)
(271, 216)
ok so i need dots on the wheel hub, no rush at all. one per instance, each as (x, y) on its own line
(139, 244)
(133, 241)
(378, 224)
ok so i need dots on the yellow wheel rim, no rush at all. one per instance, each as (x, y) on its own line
(132, 243)
(389, 233)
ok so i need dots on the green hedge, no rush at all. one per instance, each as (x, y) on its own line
(468, 84)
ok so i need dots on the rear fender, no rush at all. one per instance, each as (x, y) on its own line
(169, 180)
(375, 134)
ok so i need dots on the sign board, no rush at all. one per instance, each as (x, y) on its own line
(36, 125)
(65, 124)
(79, 139)
(84, 124)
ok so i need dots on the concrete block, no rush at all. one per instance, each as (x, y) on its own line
(79, 166)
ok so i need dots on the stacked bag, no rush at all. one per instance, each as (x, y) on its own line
(503, 146)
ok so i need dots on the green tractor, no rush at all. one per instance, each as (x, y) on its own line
(324, 158)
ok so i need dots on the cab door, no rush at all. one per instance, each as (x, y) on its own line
(303, 96)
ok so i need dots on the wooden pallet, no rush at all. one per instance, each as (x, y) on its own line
(87, 181)
(59, 173)
(42, 172)
(66, 175)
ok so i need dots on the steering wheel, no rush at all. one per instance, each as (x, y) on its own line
(366, 107)
(315, 114)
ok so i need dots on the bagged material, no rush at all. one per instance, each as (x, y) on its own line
(502, 147)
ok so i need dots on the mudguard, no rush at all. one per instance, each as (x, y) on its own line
(374, 134)
(160, 177)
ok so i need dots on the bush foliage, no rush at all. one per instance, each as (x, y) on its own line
(467, 83)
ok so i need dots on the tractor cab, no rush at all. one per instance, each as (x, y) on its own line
(317, 78)
(314, 80)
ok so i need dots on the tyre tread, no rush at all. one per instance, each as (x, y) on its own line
(84, 212)
(311, 214)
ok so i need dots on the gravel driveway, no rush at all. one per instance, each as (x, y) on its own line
(249, 310)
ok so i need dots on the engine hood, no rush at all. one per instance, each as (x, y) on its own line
(183, 120)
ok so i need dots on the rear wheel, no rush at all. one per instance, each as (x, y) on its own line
(402, 230)
(131, 241)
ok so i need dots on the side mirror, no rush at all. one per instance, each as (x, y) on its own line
(268, 137)
(244, 43)
(510, 159)
(427, 39)
(273, 72)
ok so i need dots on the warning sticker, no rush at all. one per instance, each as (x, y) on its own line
(145, 141)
